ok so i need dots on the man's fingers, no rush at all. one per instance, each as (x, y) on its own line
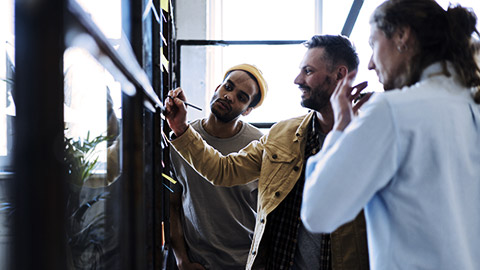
(361, 101)
(178, 93)
(361, 86)
(344, 88)
(355, 90)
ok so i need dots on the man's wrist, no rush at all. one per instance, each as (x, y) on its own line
(180, 130)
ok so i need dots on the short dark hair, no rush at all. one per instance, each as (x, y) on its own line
(258, 95)
(339, 50)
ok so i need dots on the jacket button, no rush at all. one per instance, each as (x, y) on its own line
(296, 168)
(253, 252)
(277, 194)
(274, 156)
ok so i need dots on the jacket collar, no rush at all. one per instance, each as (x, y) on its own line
(301, 132)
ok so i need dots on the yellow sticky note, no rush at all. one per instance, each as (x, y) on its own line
(169, 178)
(164, 4)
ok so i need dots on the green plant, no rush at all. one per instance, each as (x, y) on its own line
(80, 157)
(86, 239)
(85, 232)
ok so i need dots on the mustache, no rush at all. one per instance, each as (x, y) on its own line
(303, 87)
(225, 103)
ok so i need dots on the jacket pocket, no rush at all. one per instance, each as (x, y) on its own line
(277, 164)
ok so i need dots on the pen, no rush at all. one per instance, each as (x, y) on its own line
(188, 104)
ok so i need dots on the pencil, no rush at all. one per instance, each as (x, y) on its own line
(188, 104)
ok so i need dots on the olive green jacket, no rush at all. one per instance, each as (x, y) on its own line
(276, 160)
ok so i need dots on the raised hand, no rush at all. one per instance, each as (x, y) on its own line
(343, 98)
(176, 112)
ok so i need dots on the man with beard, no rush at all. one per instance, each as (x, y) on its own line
(278, 160)
(212, 227)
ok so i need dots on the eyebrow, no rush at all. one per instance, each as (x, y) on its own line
(241, 91)
(230, 82)
(307, 67)
(245, 94)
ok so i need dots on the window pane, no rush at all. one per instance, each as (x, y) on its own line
(111, 24)
(261, 20)
(360, 35)
(7, 105)
(93, 121)
(7, 113)
(334, 15)
(279, 64)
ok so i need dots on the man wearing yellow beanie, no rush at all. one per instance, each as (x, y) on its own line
(212, 227)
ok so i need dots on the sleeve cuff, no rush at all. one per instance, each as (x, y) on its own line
(183, 140)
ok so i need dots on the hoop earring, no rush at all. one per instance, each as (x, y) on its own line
(401, 48)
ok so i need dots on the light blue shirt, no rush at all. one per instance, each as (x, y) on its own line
(412, 160)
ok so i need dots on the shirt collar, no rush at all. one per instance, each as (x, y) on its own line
(437, 69)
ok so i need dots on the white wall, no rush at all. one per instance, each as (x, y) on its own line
(191, 23)
(191, 19)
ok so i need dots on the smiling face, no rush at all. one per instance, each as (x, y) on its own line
(389, 58)
(233, 97)
(316, 80)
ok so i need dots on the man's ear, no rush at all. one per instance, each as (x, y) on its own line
(342, 71)
(401, 37)
(247, 111)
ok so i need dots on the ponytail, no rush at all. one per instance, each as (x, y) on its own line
(464, 51)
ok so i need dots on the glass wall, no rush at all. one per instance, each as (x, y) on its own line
(93, 121)
(7, 113)
(86, 151)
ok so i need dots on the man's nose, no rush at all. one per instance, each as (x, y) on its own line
(298, 80)
(228, 98)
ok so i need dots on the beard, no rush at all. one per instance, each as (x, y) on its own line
(224, 116)
(317, 102)
(319, 96)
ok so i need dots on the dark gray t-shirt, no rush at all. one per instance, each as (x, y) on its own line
(218, 222)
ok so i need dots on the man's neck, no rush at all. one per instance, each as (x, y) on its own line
(219, 129)
(325, 120)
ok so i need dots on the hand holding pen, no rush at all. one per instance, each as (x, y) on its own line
(176, 112)
(188, 104)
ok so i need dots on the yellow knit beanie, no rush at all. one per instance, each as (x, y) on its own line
(257, 74)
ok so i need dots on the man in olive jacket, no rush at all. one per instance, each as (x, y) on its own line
(278, 161)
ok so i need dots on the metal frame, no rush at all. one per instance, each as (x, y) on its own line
(39, 179)
(352, 17)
